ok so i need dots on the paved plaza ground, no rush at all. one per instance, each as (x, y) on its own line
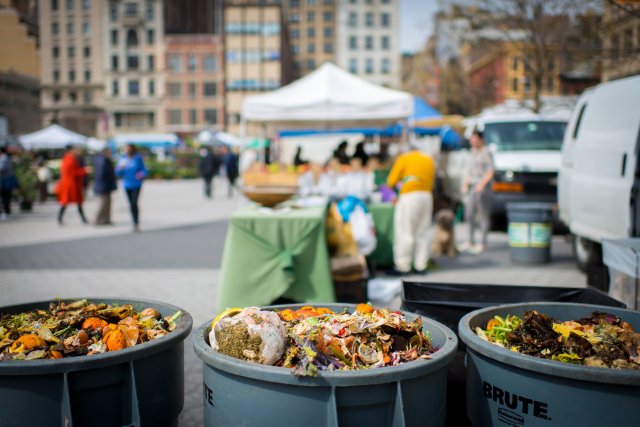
(176, 258)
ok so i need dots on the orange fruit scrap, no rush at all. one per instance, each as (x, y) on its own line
(55, 355)
(94, 323)
(287, 315)
(364, 308)
(491, 323)
(27, 342)
(324, 310)
(114, 340)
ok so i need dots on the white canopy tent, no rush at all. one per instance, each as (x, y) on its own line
(52, 137)
(329, 94)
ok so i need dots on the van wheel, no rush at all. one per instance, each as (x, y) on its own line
(586, 252)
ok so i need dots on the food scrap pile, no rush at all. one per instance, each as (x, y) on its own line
(312, 339)
(601, 340)
(78, 328)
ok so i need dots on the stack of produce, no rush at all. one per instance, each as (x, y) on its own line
(312, 339)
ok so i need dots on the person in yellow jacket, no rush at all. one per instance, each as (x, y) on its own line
(415, 173)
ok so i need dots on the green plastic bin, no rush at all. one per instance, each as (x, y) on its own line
(530, 230)
(506, 388)
(137, 386)
(237, 392)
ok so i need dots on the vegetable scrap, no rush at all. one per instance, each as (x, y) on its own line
(79, 328)
(310, 339)
(601, 340)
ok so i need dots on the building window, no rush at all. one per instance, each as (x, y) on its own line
(150, 11)
(55, 28)
(131, 9)
(115, 88)
(54, 6)
(73, 97)
(311, 32)
(526, 86)
(514, 84)
(55, 51)
(368, 19)
(328, 17)
(87, 76)
(311, 2)
(353, 42)
(368, 42)
(86, 4)
(210, 89)
(311, 48)
(152, 87)
(134, 87)
(192, 63)
(71, 52)
(386, 66)
(88, 97)
(151, 62)
(70, 28)
(114, 37)
(353, 19)
(515, 63)
(294, 34)
(211, 116)
(385, 19)
(296, 49)
(328, 32)
(175, 63)
(70, 4)
(328, 48)
(192, 90)
(113, 11)
(174, 89)
(311, 16)
(294, 3)
(328, 2)
(132, 38)
(150, 36)
(384, 41)
(114, 63)
(368, 66)
(117, 118)
(132, 62)
(353, 66)
(209, 63)
(175, 117)
(56, 97)
(550, 84)
(72, 76)
(86, 29)
(56, 75)
(86, 51)
(193, 116)
(311, 64)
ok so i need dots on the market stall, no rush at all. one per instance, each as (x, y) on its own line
(52, 137)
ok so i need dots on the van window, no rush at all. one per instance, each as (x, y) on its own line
(525, 135)
(578, 121)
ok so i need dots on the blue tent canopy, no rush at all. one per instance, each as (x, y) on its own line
(422, 110)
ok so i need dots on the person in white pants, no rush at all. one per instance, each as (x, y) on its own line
(415, 172)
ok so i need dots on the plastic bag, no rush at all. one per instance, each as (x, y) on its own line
(363, 230)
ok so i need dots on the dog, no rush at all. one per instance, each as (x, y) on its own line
(444, 239)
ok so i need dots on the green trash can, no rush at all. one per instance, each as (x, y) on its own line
(506, 388)
(137, 386)
(530, 230)
(237, 392)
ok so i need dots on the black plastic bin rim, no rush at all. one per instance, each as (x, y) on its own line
(71, 364)
(530, 206)
(536, 364)
(274, 374)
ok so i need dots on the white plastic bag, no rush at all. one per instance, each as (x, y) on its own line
(363, 230)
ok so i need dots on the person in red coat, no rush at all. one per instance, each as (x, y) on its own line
(70, 186)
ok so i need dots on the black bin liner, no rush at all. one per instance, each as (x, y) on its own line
(448, 302)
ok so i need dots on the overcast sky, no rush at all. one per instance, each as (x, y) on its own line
(416, 23)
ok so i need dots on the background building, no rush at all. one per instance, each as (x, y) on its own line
(367, 40)
(134, 58)
(19, 66)
(192, 16)
(257, 55)
(621, 40)
(194, 95)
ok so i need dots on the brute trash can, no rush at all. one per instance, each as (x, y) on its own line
(530, 229)
(137, 386)
(506, 388)
(622, 258)
(238, 392)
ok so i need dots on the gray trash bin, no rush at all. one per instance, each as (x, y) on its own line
(622, 258)
(506, 388)
(140, 385)
(530, 230)
(237, 392)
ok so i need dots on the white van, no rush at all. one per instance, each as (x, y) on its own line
(598, 185)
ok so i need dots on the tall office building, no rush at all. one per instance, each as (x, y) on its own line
(192, 16)
(133, 54)
(368, 39)
(71, 71)
(257, 54)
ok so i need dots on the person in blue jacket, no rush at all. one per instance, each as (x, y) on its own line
(104, 184)
(132, 171)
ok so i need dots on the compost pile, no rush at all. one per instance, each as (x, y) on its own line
(311, 339)
(601, 340)
(78, 328)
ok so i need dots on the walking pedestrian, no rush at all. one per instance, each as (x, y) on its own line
(476, 187)
(71, 185)
(231, 167)
(44, 177)
(208, 168)
(415, 172)
(104, 184)
(340, 153)
(132, 170)
(8, 182)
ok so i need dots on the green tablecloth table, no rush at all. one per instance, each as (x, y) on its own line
(272, 254)
(382, 214)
